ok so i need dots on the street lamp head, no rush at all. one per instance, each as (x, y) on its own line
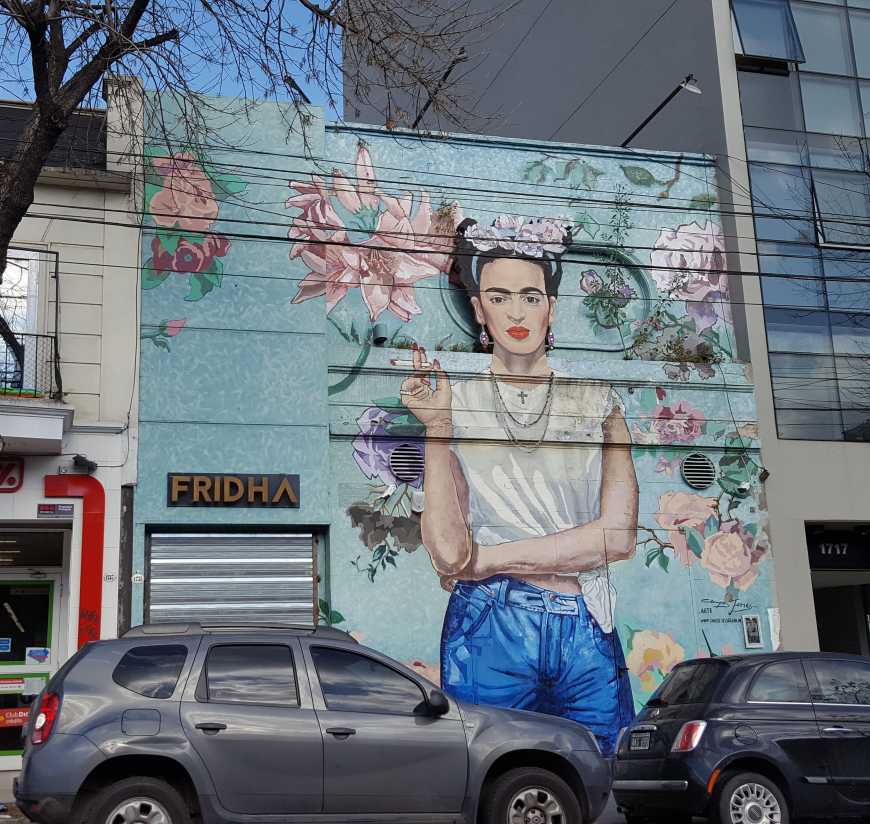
(690, 85)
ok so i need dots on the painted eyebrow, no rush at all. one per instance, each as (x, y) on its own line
(529, 290)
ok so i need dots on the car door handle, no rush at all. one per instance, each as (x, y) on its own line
(341, 732)
(211, 727)
(836, 730)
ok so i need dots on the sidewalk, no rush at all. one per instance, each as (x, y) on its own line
(7, 798)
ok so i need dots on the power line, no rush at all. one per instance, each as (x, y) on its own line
(514, 51)
(436, 249)
(618, 63)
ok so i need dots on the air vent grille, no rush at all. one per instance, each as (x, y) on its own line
(699, 472)
(406, 462)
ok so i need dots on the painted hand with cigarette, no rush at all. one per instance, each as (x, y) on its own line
(432, 405)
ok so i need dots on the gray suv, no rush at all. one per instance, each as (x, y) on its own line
(173, 724)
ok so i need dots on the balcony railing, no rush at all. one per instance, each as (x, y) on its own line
(29, 370)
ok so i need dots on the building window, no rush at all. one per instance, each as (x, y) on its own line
(824, 34)
(766, 28)
(806, 130)
(843, 202)
(771, 100)
(831, 105)
(19, 305)
(782, 202)
(860, 21)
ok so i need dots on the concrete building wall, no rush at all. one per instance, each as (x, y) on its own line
(527, 73)
(88, 219)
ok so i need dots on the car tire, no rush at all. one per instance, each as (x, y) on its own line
(740, 791)
(144, 794)
(523, 789)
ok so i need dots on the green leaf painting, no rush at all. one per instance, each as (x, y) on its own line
(695, 541)
(639, 176)
(579, 173)
(704, 201)
(537, 171)
(151, 277)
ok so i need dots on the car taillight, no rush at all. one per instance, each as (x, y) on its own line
(45, 718)
(689, 736)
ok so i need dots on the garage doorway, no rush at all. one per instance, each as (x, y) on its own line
(840, 569)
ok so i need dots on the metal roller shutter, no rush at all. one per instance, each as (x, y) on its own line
(231, 579)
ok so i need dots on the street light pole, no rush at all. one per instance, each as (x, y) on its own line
(688, 84)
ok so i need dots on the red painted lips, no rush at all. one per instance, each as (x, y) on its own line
(518, 332)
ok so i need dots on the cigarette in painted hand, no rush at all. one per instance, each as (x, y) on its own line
(410, 364)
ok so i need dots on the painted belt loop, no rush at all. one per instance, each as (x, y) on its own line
(503, 585)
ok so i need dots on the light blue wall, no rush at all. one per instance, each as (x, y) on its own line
(255, 383)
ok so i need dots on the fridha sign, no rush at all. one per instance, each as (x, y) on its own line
(274, 491)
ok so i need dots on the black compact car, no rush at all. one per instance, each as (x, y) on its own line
(754, 739)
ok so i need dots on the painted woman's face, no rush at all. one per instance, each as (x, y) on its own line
(513, 305)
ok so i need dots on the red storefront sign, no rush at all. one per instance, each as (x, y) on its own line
(11, 474)
(14, 717)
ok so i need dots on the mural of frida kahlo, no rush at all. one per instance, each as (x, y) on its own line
(530, 495)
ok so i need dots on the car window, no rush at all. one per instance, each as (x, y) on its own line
(689, 684)
(841, 681)
(781, 681)
(151, 671)
(251, 674)
(356, 683)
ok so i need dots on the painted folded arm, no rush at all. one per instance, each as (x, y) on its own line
(610, 537)
(444, 523)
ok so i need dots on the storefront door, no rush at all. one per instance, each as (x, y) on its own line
(29, 651)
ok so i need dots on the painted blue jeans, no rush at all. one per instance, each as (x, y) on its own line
(508, 643)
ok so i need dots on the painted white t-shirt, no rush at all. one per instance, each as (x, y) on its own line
(516, 493)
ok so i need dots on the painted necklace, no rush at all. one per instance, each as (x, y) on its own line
(503, 415)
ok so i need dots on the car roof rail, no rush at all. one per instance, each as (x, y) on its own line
(197, 628)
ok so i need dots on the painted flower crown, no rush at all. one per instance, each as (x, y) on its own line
(513, 233)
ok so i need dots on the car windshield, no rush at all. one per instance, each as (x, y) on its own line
(687, 684)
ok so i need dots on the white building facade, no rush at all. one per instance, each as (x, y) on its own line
(68, 405)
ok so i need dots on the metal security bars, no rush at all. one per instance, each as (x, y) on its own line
(231, 578)
(27, 369)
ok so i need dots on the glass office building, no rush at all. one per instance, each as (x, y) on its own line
(804, 75)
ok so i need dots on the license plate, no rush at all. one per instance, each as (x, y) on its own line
(639, 741)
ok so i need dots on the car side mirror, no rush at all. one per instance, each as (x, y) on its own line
(438, 703)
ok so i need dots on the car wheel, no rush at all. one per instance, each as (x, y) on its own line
(137, 800)
(527, 795)
(750, 798)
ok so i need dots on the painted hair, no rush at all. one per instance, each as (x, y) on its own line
(542, 242)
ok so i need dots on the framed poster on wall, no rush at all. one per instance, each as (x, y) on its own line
(752, 631)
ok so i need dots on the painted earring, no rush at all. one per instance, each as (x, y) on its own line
(484, 337)
(551, 339)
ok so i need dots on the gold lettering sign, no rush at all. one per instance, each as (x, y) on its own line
(201, 489)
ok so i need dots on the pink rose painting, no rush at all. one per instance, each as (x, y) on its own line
(184, 203)
(687, 264)
(680, 511)
(187, 199)
(351, 235)
(732, 555)
(673, 423)
(166, 330)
